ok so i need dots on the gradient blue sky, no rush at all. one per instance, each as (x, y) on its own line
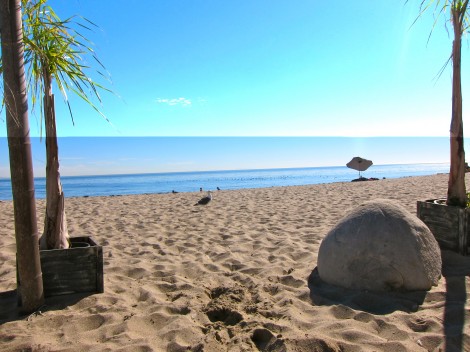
(266, 68)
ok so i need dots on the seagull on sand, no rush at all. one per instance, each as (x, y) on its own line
(205, 200)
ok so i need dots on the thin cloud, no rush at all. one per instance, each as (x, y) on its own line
(174, 101)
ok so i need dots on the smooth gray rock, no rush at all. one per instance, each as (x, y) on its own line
(380, 246)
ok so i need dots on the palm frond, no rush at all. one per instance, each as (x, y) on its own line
(55, 47)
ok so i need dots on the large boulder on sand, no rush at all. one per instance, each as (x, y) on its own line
(380, 246)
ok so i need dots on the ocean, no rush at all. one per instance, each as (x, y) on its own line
(106, 185)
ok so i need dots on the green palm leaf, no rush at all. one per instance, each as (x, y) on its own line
(55, 49)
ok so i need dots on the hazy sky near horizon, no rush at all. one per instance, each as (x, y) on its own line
(257, 68)
(134, 155)
(264, 68)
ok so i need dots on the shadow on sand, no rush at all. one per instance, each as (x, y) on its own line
(455, 270)
(322, 293)
(10, 311)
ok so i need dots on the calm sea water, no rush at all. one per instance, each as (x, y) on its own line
(77, 186)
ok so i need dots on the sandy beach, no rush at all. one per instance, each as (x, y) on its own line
(235, 275)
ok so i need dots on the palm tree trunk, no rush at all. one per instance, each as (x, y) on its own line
(21, 167)
(456, 194)
(55, 224)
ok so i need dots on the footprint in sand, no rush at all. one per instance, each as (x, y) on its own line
(265, 340)
(224, 315)
(224, 305)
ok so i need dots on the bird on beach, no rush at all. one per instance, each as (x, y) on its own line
(205, 200)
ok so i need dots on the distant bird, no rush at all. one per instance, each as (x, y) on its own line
(218, 188)
(205, 200)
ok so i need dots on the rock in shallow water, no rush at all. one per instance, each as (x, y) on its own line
(380, 246)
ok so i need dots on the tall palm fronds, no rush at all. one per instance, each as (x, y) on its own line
(55, 50)
(444, 8)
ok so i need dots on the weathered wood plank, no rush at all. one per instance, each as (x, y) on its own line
(73, 270)
(448, 224)
(99, 270)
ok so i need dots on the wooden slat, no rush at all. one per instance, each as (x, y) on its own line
(99, 270)
(448, 224)
(73, 270)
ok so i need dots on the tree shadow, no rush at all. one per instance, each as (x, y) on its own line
(11, 311)
(455, 269)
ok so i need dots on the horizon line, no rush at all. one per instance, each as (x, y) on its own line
(228, 170)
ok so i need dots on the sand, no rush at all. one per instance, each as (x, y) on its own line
(235, 275)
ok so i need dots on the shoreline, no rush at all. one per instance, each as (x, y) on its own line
(155, 183)
(237, 189)
(237, 274)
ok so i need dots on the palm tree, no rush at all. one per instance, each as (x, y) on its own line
(21, 168)
(458, 16)
(54, 52)
(456, 193)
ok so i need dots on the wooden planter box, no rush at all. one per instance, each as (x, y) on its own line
(449, 224)
(78, 269)
(73, 270)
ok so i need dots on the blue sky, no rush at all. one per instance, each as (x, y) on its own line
(265, 68)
